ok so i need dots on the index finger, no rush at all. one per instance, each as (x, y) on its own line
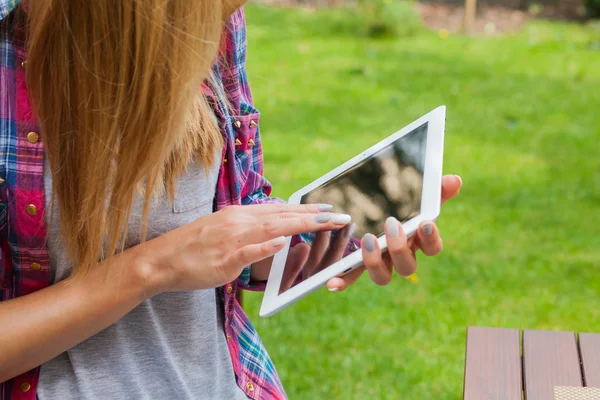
(290, 224)
(278, 208)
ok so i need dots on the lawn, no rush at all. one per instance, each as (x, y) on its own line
(522, 242)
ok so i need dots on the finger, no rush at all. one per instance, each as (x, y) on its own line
(287, 224)
(336, 251)
(387, 259)
(413, 243)
(255, 252)
(380, 274)
(341, 283)
(430, 240)
(279, 208)
(401, 255)
(317, 251)
(293, 265)
(451, 185)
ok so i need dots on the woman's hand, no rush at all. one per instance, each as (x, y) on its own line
(214, 250)
(401, 254)
(305, 260)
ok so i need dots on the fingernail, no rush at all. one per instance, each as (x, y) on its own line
(334, 289)
(324, 207)
(427, 228)
(392, 227)
(322, 218)
(280, 241)
(341, 219)
(459, 179)
(350, 231)
(369, 242)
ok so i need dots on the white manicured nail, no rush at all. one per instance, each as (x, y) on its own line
(392, 227)
(350, 231)
(341, 219)
(370, 243)
(322, 218)
(334, 289)
(427, 228)
(324, 207)
(280, 241)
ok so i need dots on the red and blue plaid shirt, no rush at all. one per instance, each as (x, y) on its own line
(24, 262)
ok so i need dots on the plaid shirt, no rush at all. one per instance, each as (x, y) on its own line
(24, 262)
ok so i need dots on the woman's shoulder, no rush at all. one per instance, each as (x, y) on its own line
(231, 63)
(234, 41)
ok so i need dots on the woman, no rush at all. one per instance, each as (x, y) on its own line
(124, 126)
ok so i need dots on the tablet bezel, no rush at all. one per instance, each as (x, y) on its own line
(430, 209)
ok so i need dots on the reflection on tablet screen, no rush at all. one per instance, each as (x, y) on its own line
(389, 183)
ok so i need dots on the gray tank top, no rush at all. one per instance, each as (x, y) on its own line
(172, 346)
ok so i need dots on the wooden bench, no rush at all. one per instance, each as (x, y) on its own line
(503, 364)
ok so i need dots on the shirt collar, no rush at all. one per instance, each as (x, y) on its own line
(6, 6)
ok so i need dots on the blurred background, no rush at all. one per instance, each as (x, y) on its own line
(521, 80)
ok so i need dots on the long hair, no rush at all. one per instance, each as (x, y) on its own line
(115, 86)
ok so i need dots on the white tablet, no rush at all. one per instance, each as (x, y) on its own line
(400, 176)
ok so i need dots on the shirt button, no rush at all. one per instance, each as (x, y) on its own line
(35, 266)
(25, 386)
(24, 64)
(2, 181)
(250, 386)
(228, 336)
(33, 137)
(229, 288)
(31, 210)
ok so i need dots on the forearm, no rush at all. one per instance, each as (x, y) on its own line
(42, 325)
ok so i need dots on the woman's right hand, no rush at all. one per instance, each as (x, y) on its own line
(207, 253)
(213, 250)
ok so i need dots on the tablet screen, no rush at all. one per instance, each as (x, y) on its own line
(388, 183)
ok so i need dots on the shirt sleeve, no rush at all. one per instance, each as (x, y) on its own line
(261, 188)
(260, 192)
(261, 195)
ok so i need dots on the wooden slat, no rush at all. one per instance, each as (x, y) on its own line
(493, 364)
(550, 359)
(589, 347)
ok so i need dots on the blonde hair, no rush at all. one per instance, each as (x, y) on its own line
(116, 89)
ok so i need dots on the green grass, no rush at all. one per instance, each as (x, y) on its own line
(522, 242)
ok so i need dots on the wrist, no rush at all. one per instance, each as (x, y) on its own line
(148, 271)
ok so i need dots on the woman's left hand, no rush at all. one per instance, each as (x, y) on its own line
(401, 253)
